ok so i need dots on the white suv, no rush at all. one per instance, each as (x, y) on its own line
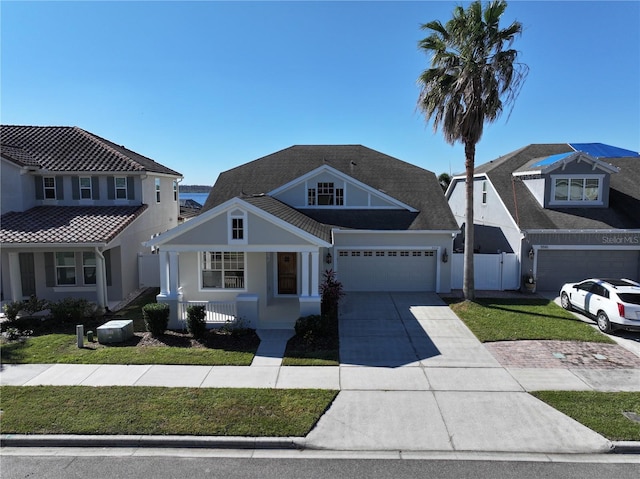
(614, 303)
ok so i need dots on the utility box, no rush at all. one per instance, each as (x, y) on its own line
(116, 331)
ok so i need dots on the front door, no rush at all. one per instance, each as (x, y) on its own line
(287, 273)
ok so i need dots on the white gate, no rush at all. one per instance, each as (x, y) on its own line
(492, 272)
(149, 270)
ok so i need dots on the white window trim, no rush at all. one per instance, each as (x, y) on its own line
(315, 187)
(222, 271)
(89, 188)
(245, 230)
(45, 188)
(116, 188)
(484, 192)
(552, 194)
(175, 190)
(84, 266)
(157, 183)
(57, 267)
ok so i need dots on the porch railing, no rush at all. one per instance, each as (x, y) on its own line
(218, 312)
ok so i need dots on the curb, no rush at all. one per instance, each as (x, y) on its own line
(209, 442)
(626, 447)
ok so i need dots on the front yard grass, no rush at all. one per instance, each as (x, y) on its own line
(55, 342)
(161, 411)
(512, 319)
(599, 411)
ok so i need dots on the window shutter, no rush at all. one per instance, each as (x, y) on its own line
(95, 188)
(107, 266)
(111, 188)
(131, 194)
(75, 188)
(49, 270)
(39, 187)
(59, 188)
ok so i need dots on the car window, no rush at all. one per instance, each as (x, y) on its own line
(597, 289)
(586, 286)
(632, 298)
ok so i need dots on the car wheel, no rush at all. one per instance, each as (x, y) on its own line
(564, 301)
(603, 322)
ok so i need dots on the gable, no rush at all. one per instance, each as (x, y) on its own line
(326, 187)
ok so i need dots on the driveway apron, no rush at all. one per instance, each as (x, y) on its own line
(413, 377)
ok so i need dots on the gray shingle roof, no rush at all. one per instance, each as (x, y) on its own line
(291, 216)
(67, 224)
(66, 148)
(403, 181)
(624, 196)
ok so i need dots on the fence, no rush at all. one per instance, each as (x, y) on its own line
(493, 272)
(218, 312)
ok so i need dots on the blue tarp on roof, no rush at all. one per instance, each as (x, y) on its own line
(550, 160)
(600, 150)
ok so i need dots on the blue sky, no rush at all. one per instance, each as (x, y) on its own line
(206, 86)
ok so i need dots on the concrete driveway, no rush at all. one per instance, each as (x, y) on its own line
(414, 378)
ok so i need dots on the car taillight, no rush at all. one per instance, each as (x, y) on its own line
(621, 310)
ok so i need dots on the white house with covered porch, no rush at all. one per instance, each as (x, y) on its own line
(272, 227)
(244, 261)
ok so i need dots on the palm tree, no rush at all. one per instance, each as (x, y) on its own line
(444, 179)
(473, 77)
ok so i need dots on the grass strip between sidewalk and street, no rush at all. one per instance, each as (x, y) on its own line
(161, 411)
(513, 319)
(599, 411)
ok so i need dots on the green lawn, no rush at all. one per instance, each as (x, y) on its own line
(161, 411)
(600, 411)
(523, 318)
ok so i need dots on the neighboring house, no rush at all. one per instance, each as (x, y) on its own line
(75, 211)
(568, 211)
(270, 229)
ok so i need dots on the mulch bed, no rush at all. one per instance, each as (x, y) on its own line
(575, 354)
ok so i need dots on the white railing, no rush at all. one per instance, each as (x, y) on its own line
(218, 312)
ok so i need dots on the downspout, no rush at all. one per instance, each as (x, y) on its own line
(101, 280)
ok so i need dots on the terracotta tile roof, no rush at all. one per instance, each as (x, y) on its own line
(66, 148)
(67, 224)
(18, 155)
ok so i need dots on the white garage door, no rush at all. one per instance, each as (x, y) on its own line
(556, 267)
(376, 270)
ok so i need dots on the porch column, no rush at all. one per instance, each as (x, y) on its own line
(173, 274)
(315, 273)
(100, 281)
(305, 273)
(15, 277)
(164, 273)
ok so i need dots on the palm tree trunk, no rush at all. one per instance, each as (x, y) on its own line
(468, 287)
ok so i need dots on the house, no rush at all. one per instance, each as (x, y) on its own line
(567, 211)
(270, 229)
(75, 211)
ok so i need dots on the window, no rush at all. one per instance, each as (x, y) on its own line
(89, 268)
(325, 193)
(392, 253)
(404, 253)
(237, 228)
(49, 183)
(343, 253)
(368, 253)
(355, 253)
(576, 190)
(379, 253)
(339, 196)
(121, 187)
(65, 269)
(222, 270)
(157, 190)
(484, 192)
(311, 196)
(417, 253)
(175, 190)
(85, 188)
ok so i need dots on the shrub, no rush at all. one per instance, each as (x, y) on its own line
(11, 310)
(331, 291)
(13, 334)
(312, 328)
(236, 328)
(72, 310)
(196, 325)
(35, 305)
(156, 317)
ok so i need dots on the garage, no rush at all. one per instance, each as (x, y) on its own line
(387, 270)
(556, 267)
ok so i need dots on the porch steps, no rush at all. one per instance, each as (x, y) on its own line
(273, 343)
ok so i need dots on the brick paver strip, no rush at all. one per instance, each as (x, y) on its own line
(540, 354)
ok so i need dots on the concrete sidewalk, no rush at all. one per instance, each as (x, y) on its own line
(412, 378)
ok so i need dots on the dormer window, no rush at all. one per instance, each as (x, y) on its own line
(121, 187)
(576, 190)
(325, 194)
(237, 227)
